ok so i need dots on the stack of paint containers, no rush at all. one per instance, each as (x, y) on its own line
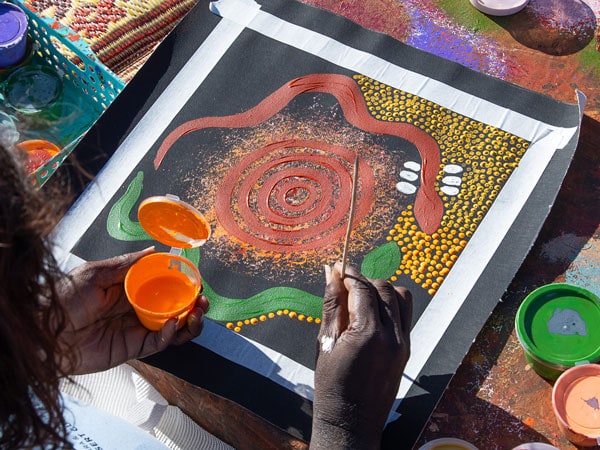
(13, 47)
(557, 326)
(29, 90)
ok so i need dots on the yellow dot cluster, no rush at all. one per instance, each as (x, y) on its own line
(426, 258)
(487, 156)
(237, 326)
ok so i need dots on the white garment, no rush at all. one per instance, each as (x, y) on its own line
(118, 409)
(92, 429)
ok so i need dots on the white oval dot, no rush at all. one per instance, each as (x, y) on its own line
(412, 165)
(406, 188)
(452, 181)
(408, 175)
(453, 168)
(450, 190)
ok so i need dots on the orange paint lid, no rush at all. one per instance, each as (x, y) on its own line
(173, 222)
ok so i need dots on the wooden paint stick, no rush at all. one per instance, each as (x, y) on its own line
(350, 215)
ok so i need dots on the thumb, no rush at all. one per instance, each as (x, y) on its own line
(113, 270)
(335, 306)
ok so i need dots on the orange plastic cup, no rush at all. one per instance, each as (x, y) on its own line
(162, 286)
(38, 151)
(576, 403)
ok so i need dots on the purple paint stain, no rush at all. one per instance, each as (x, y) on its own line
(435, 33)
(593, 403)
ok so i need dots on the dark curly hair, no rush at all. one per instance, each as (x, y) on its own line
(31, 316)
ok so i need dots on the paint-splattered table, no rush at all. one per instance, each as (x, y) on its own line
(495, 400)
(551, 46)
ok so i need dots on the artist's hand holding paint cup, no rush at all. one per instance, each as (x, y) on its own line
(103, 328)
(363, 348)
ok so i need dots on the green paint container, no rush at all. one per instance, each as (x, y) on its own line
(557, 325)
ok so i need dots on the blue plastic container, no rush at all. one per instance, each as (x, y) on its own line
(13, 34)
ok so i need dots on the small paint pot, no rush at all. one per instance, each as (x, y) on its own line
(39, 152)
(557, 326)
(535, 446)
(576, 403)
(32, 89)
(499, 7)
(13, 34)
(162, 286)
(448, 444)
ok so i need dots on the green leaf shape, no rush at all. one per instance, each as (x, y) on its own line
(119, 224)
(382, 262)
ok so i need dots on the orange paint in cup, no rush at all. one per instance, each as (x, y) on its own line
(576, 403)
(162, 286)
(39, 152)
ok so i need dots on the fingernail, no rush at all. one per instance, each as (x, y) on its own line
(327, 273)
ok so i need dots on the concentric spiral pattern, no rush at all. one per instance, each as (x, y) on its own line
(293, 195)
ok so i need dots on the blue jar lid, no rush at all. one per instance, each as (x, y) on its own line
(13, 23)
(13, 34)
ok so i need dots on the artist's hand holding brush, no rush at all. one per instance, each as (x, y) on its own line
(363, 347)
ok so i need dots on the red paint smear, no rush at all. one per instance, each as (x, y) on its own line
(386, 16)
(295, 239)
(428, 207)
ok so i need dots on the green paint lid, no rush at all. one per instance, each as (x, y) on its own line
(32, 89)
(557, 325)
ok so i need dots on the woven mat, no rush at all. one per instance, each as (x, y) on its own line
(122, 33)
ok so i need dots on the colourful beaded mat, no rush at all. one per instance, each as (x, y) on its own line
(122, 33)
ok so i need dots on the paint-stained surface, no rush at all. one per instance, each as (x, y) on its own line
(551, 46)
(496, 400)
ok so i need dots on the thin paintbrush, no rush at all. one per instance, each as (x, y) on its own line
(351, 215)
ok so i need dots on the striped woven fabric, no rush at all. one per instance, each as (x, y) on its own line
(122, 33)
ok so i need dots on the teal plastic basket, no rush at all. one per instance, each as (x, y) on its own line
(88, 87)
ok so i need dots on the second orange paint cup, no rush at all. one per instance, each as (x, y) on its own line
(162, 286)
(576, 403)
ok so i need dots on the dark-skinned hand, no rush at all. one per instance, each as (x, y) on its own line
(363, 347)
(104, 330)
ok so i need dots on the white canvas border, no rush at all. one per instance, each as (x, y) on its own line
(238, 15)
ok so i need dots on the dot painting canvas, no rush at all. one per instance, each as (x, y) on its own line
(258, 127)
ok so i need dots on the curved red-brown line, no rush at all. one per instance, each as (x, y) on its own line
(428, 208)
